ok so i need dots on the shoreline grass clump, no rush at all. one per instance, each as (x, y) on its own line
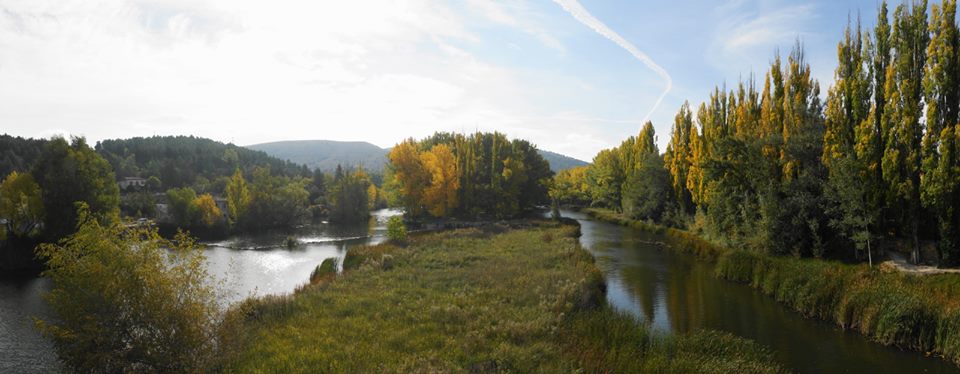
(473, 300)
(915, 312)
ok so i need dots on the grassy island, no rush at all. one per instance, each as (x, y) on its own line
(526, 298)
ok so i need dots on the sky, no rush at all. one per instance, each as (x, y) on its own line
(571, 77)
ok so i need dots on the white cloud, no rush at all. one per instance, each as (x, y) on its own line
(749, 32)
(250, 71)
(506, 13)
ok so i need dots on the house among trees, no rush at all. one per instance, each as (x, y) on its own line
(135, 182)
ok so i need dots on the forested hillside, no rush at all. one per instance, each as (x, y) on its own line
(179, 160)
(18, 154)
(559, 162)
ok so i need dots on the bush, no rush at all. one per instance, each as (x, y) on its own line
(396, 230)
(127, 300)
(325, 271)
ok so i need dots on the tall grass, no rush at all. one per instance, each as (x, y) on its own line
(473, 300)
(912, 312)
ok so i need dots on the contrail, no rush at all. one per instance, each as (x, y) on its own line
(583, 16)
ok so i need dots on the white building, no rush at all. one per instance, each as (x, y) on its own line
(132, 181)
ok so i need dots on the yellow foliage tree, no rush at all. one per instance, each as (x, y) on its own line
(208, 212)
(440, 197)
(410, 174)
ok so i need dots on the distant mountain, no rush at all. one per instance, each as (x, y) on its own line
(327, 154)
(560, 162)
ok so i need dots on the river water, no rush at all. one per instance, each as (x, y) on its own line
(675, 293)
(241, 266)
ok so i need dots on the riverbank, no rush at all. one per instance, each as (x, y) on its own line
(487, 299)
(920, 313)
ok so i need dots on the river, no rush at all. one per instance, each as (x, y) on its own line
(674, 293)
(241, 266)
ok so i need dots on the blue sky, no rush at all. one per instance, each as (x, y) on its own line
(247, 71)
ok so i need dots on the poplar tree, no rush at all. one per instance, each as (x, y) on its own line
(848, 106)
(942, 97)
(901, 117)
(677, 157)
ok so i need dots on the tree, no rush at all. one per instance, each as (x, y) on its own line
(852, 214)
(182, 207)
(901, 117)
(440, 197)
(851, 208)
(348, 197)
(127, 300)
(940, 176)
(138, 204)
(72, 173)
(411, 175)
(238, 198)
(606, 178)
(570, 187)
(21, 204)
(649, 194)
(154, 184)
(208, 214)
(677, 157)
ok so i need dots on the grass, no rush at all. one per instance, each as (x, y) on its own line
(920, 313)
(475, 300)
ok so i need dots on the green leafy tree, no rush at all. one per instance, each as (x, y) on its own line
(127, 300)
(649, 194)
(69, 173)
(396, 230)
(348, 196)
(21, 205)
(181, 202)
(852, 213)
(238, 198)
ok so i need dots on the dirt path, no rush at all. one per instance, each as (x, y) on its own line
(899, 263)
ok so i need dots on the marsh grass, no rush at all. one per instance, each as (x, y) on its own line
(471, 300)
(920, 313)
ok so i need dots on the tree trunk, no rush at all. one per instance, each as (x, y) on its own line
(916, 242)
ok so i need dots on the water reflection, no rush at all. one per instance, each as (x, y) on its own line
(250, 265)
(675, 293)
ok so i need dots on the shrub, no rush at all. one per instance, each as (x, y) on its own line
(396, 230)
(325, 271)
(127, 300)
